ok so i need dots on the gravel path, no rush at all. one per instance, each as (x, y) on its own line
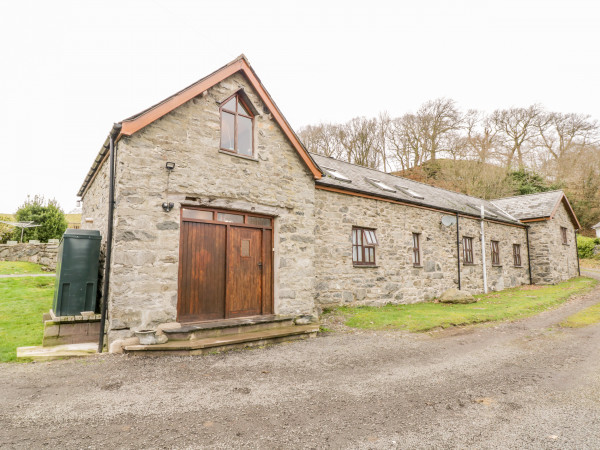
(527, 384)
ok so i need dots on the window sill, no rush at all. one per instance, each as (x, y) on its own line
(518, 267)
(417, 266)
(468, 264)
(237, 155)
(496, 265)
(358, 266)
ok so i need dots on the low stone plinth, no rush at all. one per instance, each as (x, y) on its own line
(61, 330)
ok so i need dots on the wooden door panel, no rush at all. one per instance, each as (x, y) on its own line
(267, 276)
(244, 272)
(202, 266)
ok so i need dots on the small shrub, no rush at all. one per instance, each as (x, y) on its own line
(585, 246)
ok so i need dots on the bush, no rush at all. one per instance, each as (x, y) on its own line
(46, 214)
(585, 246)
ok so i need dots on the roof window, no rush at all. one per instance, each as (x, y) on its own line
(380, 185)
(335, 174)
(410, 192)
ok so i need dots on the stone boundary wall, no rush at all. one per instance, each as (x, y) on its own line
(39, 253)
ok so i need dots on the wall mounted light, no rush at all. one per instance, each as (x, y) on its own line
(170, 165)
(168, 206)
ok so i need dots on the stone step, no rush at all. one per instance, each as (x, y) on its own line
(226, 327)
(228, 342)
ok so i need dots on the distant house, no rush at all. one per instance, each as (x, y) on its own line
(597, 228)
(221, 213)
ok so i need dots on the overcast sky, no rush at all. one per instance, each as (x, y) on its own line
(72, 68)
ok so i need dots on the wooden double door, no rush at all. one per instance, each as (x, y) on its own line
(225, 265)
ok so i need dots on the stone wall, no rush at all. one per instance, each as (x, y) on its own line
(146, 239)
(395, 279)
(44, 254)
(551, 260)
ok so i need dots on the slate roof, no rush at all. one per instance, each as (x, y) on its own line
(434, 197)
(531, 206)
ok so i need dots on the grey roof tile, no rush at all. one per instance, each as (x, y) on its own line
(531, 206)
(406, 190)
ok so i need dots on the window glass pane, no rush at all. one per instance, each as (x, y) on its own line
(354, 253)
(260, 221)
(227, 131)
(230, 105)
(370, 237)
(354, 237)
(230, 218)
(359, 254)
(371, 255)
(359, 237)
(241, 109)
(196, 214)
(244, 136)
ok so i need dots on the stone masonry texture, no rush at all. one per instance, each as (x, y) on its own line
(44, 254)
(395, 279)
(551, 260)
(143, 291)
(312, 227)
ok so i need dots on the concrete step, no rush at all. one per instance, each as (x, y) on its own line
(40, 353)
(227, 342)
(225, 327)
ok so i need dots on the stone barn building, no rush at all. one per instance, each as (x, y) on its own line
(223, 221)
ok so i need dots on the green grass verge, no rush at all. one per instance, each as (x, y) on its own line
(583, 318)
(22, 303)
(508, 304)
(19, 268)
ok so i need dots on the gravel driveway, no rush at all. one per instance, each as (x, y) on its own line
(528, 384)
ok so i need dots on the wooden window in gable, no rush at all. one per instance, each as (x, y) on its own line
(495, 253)
(416, 249)
(563, 233)
(517, 255)
(467, 250)
(363, 246)
(237, 127)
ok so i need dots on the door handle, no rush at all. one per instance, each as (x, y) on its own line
(260, 265)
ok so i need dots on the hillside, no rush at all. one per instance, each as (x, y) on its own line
(469, 177)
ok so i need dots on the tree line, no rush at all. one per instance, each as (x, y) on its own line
(479, 153)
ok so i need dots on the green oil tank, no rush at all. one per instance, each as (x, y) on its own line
(77, 272)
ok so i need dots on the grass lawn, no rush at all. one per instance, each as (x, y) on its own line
(512, 303)
(583, 318)
(18, 268)
(23, 300)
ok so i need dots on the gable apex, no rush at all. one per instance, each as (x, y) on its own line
(132, 124)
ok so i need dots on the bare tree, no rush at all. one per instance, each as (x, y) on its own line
(322, 138)
(438, 120)
(405, 141)
(515, 128)
(480, 136)
(560, 133)
(359, 137)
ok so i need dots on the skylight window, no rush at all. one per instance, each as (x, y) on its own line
(380, 185)
(337, 175)
(410, 192)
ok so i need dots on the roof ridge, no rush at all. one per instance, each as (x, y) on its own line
(403, 178)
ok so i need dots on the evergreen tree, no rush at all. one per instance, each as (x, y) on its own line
(48, 215)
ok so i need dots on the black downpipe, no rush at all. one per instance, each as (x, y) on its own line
(528, 255)
(577, 255)
(458, 251)
(109, 232)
